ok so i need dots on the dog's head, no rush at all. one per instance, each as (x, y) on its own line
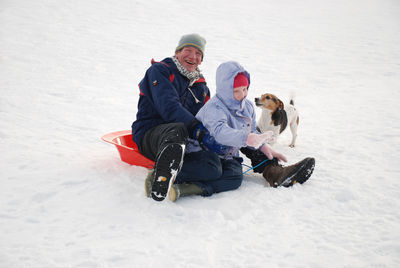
(270, 102)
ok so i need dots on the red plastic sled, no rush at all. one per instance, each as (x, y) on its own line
(127, 148)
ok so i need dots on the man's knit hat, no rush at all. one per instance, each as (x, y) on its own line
(192, 40)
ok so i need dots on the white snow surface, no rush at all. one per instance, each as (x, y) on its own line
(68, 75)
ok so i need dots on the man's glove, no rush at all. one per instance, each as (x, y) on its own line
(198, 132)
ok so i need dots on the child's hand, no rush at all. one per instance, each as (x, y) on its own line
(256, 140)
(271, 153)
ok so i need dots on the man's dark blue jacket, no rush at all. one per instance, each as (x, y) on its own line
(165, 98)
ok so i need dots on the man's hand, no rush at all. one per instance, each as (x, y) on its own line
(202, 135)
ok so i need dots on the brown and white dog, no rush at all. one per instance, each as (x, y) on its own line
(276, 116)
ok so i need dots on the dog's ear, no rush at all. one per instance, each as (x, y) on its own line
(281, 106)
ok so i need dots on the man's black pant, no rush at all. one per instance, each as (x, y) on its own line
(158, 137)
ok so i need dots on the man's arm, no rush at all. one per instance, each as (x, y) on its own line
(165, 97)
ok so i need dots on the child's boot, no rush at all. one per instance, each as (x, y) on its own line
(277, 175)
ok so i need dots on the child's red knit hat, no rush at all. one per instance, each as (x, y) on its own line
(240, 81)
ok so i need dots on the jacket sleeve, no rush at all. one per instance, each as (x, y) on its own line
(219, 128)
(165, 96)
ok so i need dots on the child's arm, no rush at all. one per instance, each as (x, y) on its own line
(216, 121)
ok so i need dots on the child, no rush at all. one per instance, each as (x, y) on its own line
(230, 117)
(231, 120)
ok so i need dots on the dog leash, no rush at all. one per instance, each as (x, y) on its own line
(254, 166)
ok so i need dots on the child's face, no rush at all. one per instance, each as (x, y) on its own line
(239, 93)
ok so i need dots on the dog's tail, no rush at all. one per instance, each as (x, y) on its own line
(292, 95)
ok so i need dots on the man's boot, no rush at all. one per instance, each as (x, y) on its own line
(167, 166)
(184, 189)
(148, 182)
(277, 175)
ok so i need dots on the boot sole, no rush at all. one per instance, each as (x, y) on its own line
(168, 165)
(301, 175)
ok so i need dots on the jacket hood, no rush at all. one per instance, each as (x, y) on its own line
(225, 76)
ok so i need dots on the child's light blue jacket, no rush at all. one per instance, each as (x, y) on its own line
(228, 120)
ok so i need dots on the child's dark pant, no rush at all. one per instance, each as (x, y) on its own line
(211, 173)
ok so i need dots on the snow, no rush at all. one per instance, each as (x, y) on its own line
(68, 75)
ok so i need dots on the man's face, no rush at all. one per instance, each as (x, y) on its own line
(189, 57)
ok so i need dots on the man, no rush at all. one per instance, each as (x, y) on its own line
(171, 94)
